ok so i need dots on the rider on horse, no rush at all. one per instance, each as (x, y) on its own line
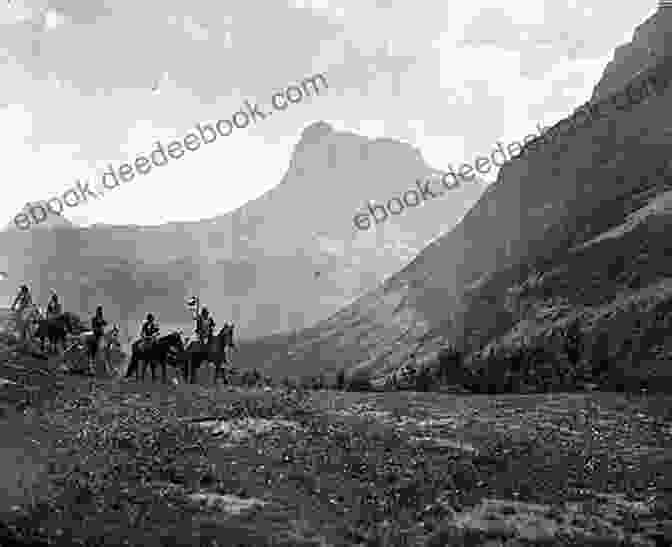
(205, 327)
(23, 299)
(149, 331)
(54, 308)
(22, 302)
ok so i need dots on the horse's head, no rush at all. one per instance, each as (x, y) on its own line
(174, 339)
(225, 335)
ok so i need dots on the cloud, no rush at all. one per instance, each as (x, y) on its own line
(449, 77)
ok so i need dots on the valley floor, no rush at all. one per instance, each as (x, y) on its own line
(103, 462)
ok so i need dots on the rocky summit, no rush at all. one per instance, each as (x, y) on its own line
(573, 232)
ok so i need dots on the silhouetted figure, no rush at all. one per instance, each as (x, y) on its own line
(98, 324)
(21, 305)
(149, 331)
(205, 326)
(54, 308)
(23, 299)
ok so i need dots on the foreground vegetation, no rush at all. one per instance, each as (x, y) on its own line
(118, 463)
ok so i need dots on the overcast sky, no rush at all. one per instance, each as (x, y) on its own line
(450, 77)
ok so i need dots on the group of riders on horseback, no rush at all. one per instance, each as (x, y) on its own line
(150, 349)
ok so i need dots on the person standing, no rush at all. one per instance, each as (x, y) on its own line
(98, 324)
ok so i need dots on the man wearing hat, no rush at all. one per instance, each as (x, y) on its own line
(54, 308)
(149, 331)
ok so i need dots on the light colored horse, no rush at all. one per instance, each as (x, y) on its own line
(26, 319)
(106, 344)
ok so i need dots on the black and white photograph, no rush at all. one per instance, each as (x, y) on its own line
(335, 273)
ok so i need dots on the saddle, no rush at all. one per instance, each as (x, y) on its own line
(145, 344)
(202, 343)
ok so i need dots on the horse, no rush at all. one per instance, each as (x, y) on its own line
(54, 330)
(165, 348)
(25, 319)
(217, 352)
(110, 340)
(87, 341)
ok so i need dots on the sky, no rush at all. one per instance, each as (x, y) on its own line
(86, 84)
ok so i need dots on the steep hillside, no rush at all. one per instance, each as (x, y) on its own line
(650, 42)
(602, 186)
(282, 261)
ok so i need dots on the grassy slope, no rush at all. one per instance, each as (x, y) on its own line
(352, 464)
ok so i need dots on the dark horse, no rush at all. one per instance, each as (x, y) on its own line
(55, 329)
(165, 349)
(216, 352)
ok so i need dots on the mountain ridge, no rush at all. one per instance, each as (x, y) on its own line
(458, 290)
(238, 261)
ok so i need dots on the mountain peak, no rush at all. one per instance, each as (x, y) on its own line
(651, 43)
(51, 220)
(315, 132)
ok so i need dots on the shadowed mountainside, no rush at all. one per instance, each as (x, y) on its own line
(585, 214)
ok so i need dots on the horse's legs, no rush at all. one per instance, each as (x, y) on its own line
(129, 369)
(221, 372)
(108, 361)
(193, 368)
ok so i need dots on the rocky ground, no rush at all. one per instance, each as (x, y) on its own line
(90, 461)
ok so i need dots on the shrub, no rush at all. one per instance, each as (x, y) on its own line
(572, 343)
(340, 379)
(359, 383)
(450, 365)
(423, 379)
(599, 358)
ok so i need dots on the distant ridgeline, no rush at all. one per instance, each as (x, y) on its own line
(658, 75)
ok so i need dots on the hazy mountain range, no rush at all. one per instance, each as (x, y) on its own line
(282, 261)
